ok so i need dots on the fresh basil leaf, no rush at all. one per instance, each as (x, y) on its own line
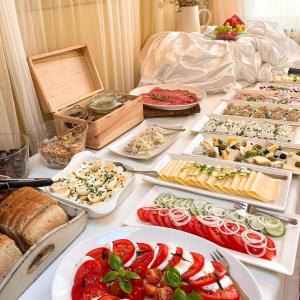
(179, 294)
(125, 285)
(110, 276)
(115, 261)
(129, 275)
(194, 296)
(172, 277)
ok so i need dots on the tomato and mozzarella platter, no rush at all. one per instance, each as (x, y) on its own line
(225, 233)
(125, 269)
(160, 96)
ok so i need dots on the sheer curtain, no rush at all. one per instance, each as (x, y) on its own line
(111, 28)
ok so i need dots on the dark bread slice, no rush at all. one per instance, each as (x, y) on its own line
(9, 255)
(52, 217)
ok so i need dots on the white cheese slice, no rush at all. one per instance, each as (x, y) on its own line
(185, 263)
(207, 268)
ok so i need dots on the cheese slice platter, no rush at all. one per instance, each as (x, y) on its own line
(231, 181)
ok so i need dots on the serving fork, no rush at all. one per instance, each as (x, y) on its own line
(257, 211)
(219, 257)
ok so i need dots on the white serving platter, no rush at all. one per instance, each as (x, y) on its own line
(260, 86)
(64, 276)
(286, 245)
(219, 110)
(190, 149)
(118, 145)
(295, 143)
(279, 204)
(103, 208)
(146, 89)
(231, 94)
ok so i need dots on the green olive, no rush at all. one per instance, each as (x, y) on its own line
(223, 147)
(271, 158)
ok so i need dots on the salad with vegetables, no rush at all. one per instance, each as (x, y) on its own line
(125, 269)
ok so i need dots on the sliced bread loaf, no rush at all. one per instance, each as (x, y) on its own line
(9, 255)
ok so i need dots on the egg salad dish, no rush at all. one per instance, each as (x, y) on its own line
(92, 183)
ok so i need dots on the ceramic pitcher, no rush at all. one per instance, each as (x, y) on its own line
(188, 18)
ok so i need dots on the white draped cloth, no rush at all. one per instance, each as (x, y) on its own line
(193, 60)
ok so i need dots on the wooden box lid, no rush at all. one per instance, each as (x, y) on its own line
(64, 77)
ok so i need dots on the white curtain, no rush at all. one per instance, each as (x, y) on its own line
(284, 12)
(15, 76)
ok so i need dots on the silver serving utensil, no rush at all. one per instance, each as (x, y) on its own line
(257, 211)
(176, 128)
(142, 172)
(219, 257)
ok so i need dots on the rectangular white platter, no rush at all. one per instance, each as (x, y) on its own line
(103, 208)
(189, 150)
(296, 92)
(286, 245)
(219, 110)
(279, 204)
(118, 145)
(233, 92)
(295, 143)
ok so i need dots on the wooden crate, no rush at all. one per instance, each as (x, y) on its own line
(68, 77)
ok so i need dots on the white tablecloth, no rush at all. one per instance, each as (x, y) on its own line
(273, 285)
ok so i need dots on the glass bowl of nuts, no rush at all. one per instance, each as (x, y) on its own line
(58, 141)
(14, 155)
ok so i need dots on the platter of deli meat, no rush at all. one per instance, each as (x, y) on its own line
(169, 97)
(150, 263)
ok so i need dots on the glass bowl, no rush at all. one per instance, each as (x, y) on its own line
(14, 155)
(58, 142)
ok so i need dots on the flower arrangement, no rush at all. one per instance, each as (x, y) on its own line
(179, 3)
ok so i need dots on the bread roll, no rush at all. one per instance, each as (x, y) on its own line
(9, 255)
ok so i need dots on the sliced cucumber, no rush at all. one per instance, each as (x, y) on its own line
(278, 231)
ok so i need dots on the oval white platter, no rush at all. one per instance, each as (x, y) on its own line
(286, 245)
(119, 145)
(104, 208)
(190, 149)
(64, 276)
(146, 89)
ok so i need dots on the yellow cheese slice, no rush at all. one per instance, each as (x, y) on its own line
(177, 170)
(248, 184)
(234, 185)
(265, 188)
(164, 173)
(239, 190)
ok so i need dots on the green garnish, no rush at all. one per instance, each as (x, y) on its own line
(254, 153)
(119, 273)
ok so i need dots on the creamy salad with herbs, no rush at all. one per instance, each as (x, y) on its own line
(252, 129)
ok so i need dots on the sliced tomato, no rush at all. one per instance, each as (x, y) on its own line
(141, 214)
(101, 255)
(161, 255)
(229, 293)
(94, 291)
(235, 241)
(196, 266)
(92, 279)
(144, 256)
(77, 291)
(160, 220)
(215, 236)
(176, 257)
(168, 222)
(137, 293)
(271, 249)
(200, 229)
(124, 248)
(109, 298)
(210, 278)
(87, 268)
(153, 217)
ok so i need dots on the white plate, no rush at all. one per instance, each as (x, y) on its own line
(189, 150)
(219, 110)
(64, 276)
(295, 143)
(104, 208)
(146, 89)
(279, 204)
(286, 245)
(118, 145)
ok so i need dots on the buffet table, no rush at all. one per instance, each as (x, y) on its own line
(273, 285)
